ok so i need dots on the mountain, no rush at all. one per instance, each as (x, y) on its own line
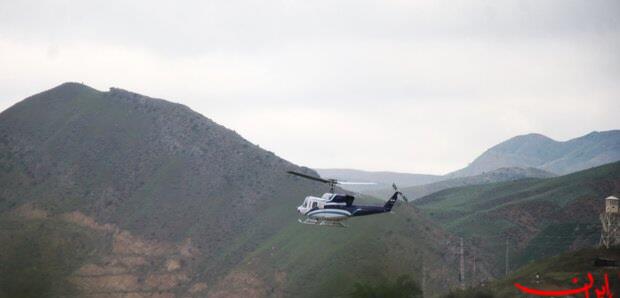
(154, 169)
(538, 151)
(115, 193)
(536, 217)
(383, 180)
(498, 175)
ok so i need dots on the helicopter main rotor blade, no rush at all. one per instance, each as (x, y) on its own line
(404, 197)
(309, 177)
(401, 194)
(356, 183)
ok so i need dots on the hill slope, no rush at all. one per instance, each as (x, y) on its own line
(372, 249)
(148, 166)
(538, 151)
(557, 272)
(178, 205)
(539, 217)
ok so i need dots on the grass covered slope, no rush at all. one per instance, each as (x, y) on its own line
(557, 272)
(373, 249)
(151, 167)
(540, 217)
(38, 256)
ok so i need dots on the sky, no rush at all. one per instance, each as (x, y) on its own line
(408, 86)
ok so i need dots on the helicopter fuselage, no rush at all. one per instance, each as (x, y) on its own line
(337, 207)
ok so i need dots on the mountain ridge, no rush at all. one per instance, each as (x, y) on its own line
(539, 151)
(146, 165)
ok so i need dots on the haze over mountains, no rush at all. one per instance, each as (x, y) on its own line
(114, 193)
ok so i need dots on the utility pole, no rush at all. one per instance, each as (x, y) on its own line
(423, 276)
(507, 263)
(462, 267)
(473, 275)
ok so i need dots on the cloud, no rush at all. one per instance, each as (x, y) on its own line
(382, 85)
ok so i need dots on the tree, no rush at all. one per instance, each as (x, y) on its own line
(402, 287)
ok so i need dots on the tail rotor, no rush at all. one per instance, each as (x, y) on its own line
(399, 192)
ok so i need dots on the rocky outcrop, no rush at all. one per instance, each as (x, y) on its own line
(133, 266)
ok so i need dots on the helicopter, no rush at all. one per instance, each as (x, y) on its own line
(333, 208)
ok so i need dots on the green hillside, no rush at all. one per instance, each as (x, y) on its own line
(552, 273)
(372, 249)
(556, 272)
(538, 217)
(37, 256)
(147, 165)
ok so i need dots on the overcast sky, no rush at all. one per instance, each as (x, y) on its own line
(412, 86)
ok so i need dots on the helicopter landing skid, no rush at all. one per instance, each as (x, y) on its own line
(309, 221)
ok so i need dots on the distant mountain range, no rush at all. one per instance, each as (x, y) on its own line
(538, 151)
(526, 156)
(110, 193)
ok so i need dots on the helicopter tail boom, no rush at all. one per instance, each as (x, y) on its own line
(390, 203)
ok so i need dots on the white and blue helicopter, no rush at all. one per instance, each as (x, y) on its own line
(333, 208)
